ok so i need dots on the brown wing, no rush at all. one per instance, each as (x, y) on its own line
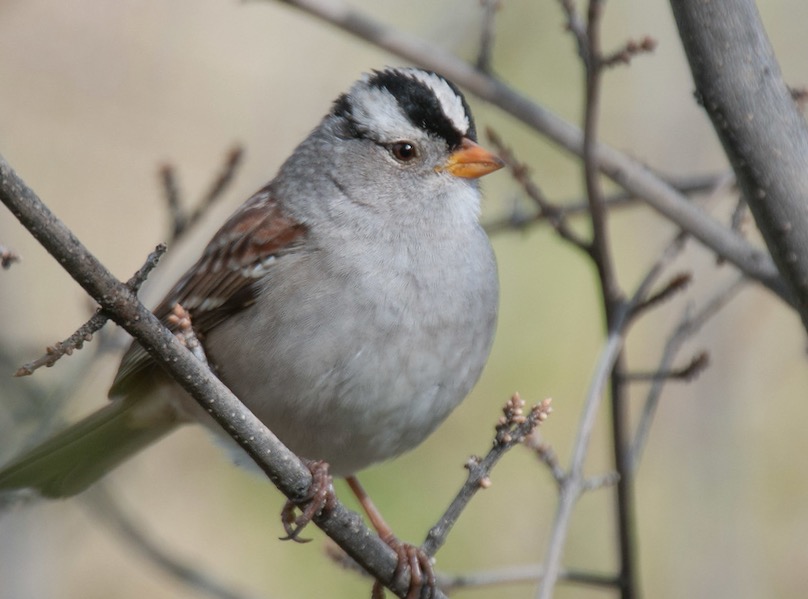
(225, 278)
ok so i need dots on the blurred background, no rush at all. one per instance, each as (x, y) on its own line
(95, 96)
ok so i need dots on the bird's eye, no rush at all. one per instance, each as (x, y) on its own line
(403, 151)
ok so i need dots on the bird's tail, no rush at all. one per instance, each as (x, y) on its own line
(75, 458)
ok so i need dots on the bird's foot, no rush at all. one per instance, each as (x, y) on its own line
(419, 564)
(320, 497)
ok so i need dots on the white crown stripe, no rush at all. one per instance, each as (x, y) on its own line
(450, 102)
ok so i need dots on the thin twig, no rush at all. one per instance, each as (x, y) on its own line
(518, 219)
(490, 8)
(512, 429)
(675, 285)
(552, 213)
(600, 481)
(689, 324)
(84, 334)
(136, 281)
(613, 304)
(547, 456)
(183, 220)
(573, 484)
(694, 368)
(630, 49)
(519, 575)
(171, 193)
(513, 575)
(576, 26)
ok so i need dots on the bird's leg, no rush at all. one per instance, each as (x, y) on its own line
(320, 497)
(422, 576)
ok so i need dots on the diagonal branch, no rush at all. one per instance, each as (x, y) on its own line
(512, 429)
(283, 467)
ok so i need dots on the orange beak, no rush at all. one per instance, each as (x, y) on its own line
(471, 161)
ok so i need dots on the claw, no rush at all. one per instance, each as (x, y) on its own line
(319, 498)
(419, 564)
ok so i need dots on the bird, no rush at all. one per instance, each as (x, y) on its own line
(350, 303)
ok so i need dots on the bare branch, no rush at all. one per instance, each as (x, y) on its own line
(520, 575)
(512, 429)
(513, 575)
(547, 455)
(520, 219)
(577, 27)
(220, 183)
(137, 280)
(675, 285)
(85, 332)
(490, 9)
(694, 368)
(171, 193)
(552, 213)
(181, 219)
(574, 483)
(600, 481)
(763, 134)
(628, 51)
(687, 326)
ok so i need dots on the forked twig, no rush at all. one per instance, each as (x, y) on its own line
(85, 332)
(512, 429)
(182, 220)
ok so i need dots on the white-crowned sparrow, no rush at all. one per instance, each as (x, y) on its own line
(350, 303)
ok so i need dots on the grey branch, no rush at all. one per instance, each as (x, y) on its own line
(574, 482)
(688, 325)
(183, 219)
(521, 575)
(740, 86)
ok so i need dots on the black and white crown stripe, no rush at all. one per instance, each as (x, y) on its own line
(452, 102)
(425, 99)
